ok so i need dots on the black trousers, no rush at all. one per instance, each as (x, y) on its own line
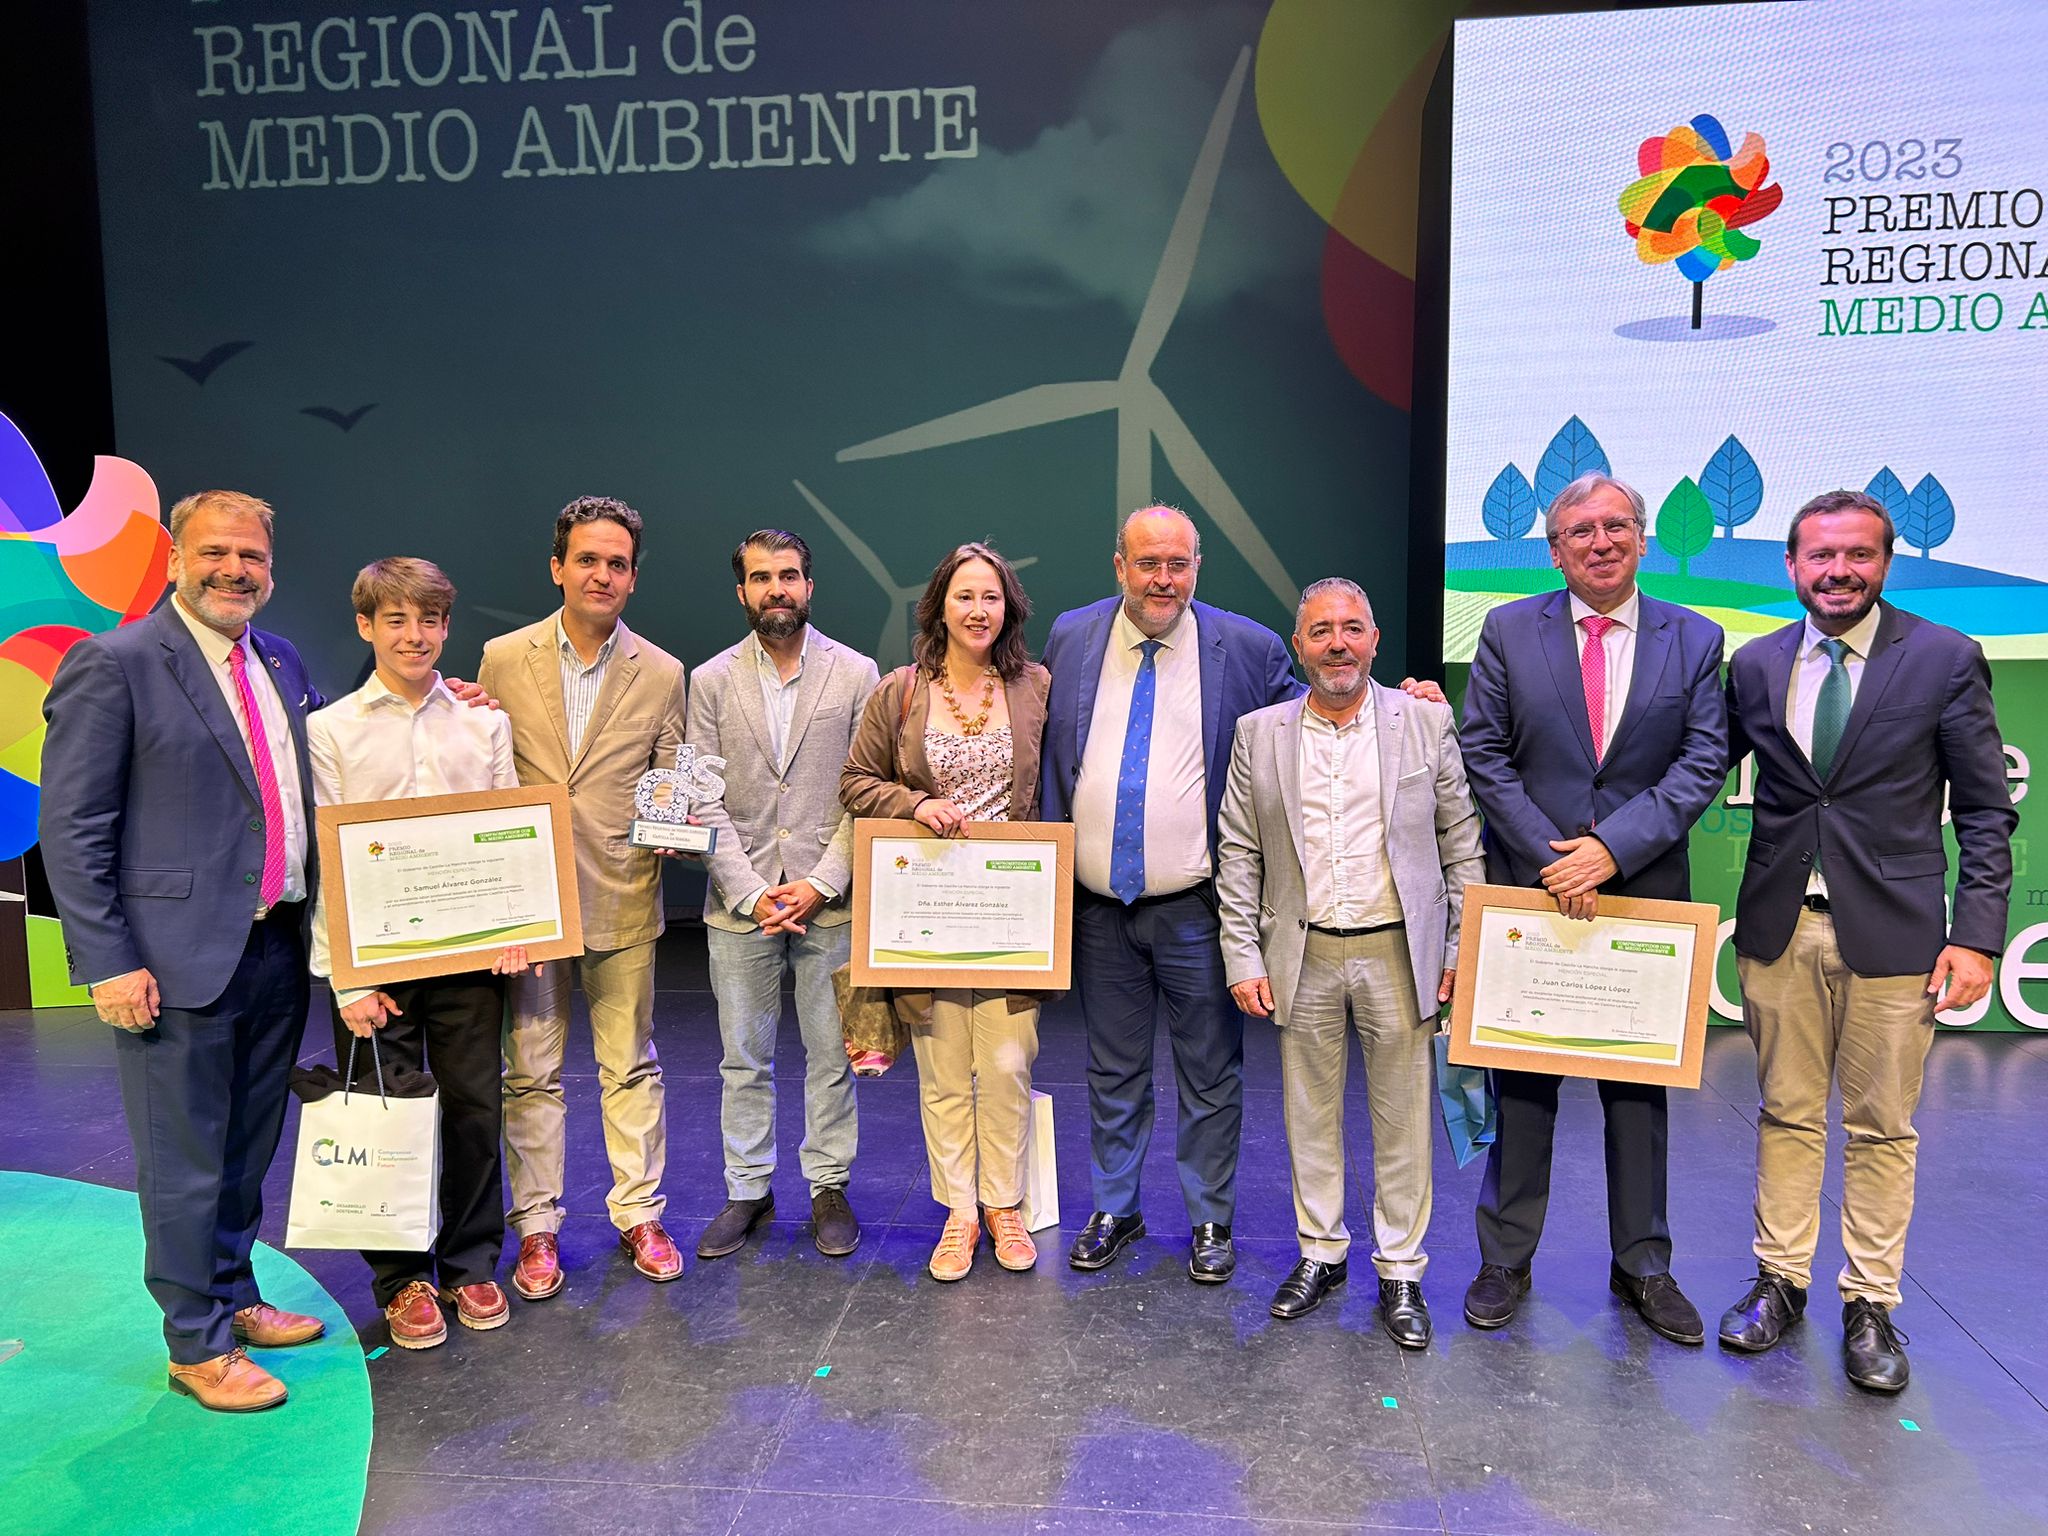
(452, 1027)
(1516, 1191)
(204, 1095)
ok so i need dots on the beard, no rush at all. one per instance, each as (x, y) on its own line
(220, 603)
(1864, 593)
(1329, 688)
(774, 621)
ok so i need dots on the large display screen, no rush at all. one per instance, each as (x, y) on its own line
(1739, 255)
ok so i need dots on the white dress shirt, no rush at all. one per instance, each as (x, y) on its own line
(1176, 785)
(581, 684)
(277, 733)
(1343, 831)
(1802, 693)
(374, 745)
(1619, 645)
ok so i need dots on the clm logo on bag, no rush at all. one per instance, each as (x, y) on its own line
(328, 1152)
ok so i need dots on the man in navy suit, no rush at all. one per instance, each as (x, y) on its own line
(176, 832)
(1147, 688)
(1595, 734)
(1863, 718)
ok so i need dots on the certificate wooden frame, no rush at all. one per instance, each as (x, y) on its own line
(330, 819)
(1702, 917)
(991, 978)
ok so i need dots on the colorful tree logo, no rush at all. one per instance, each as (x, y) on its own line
(1693, 198)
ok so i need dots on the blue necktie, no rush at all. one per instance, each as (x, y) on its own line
(1127, 840)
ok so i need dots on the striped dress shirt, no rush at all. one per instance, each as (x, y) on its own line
(580, 684)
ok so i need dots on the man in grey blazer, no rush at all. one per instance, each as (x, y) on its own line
(780, 707)
(1345, 841)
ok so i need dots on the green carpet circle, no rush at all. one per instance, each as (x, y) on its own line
(92, 1440)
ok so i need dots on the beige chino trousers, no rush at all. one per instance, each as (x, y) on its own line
(618, 986)
(1815, 1021)
(974, 1087)
(1363, 982)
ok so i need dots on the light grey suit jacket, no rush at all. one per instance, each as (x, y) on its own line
(779, 821)
(1432, 833)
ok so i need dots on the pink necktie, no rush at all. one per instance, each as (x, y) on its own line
(1593, 672)
(266, 781)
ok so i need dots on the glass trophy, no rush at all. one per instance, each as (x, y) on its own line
(666, 797)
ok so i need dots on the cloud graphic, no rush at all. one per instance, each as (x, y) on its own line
(1079, 214)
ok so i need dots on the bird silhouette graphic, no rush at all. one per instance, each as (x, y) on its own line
(346, 420)
(200, 369)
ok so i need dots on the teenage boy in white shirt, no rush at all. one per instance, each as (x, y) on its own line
(400, 735)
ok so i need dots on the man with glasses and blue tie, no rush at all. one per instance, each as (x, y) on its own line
(1595, 734)
(1147, 688)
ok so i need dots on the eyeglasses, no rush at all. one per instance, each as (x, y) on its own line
(1582, 533)
(1147, 565)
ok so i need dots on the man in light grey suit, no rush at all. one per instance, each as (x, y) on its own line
(1346, 839)
(780, 707)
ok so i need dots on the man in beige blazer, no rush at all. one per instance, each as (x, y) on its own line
(1345, 841)
(780, 707)
(593, 706)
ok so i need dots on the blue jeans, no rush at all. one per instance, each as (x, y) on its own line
(746, 976)
(1127, 959)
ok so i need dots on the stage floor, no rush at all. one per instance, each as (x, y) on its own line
(776, 1390)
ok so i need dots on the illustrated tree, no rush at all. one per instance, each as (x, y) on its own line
(1692, 199)
(1509, 510)
(1732, 484)
(1573, 451)
(1685, 523)
(1890, 493)
(1930, 516)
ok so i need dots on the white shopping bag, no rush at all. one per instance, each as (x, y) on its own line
(368, 1172)
(1041, 1172)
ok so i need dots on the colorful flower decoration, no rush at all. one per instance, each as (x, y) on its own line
(61, 579)
(1693, 198)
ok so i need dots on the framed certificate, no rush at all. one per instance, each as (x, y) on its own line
(992, 909)
(1623, 996)
(437, 885)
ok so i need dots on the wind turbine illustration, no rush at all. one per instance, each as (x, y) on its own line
(892, 649)
(1143, 413)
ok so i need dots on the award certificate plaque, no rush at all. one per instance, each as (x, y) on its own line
(1623, 996)
(437, 885)
(992, 909)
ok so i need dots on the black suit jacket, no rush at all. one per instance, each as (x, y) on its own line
(1922, 724)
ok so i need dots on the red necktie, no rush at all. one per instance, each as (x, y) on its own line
(266, 781)
(1593, 672)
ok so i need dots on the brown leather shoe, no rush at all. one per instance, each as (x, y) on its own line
(229, 1383)
(653, 1254)
(415, 1317)
(538, 1273)
(268, 1328)
(481, 1305)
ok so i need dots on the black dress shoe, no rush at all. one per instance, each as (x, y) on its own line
(1213, 1260)
(1873, 1349)
(729, 1228)
(1404, 1314)
(1660, 1303)
(1493, 1295)
(1305, 1287)
(1104, 1238)
(1760, 1319)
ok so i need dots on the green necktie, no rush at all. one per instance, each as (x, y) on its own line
(1831, 709)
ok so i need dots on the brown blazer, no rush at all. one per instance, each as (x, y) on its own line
(636, 724)
(887, 773)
